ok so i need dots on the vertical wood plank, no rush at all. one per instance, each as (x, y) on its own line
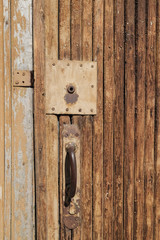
(86, 162)
(108, 120)
(64, 53)
(129, 118)
(150, 121)
(139, 119)
(22, 125)
(98, 12)
(157, 133)
(76, 54)
(39, 118)
(51, 52)
(22, 164)
(52, 177)
(118, 120)
(8, 119)
(1, 124)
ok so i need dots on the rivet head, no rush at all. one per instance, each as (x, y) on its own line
(53, 108)
(53, 64)
(80, 110)
(81, 65)
(67, 109)
(92, 86)
(92, 66)
(91, 110)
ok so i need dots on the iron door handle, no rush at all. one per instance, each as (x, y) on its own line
(70, 173)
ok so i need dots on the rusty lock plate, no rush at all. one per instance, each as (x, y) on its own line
(71, 212)
(71, 87)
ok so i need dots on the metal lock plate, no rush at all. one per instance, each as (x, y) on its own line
(71, 87)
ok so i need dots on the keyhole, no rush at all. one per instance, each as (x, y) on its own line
(71, 89)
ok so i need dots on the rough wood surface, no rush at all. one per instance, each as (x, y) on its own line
(150, 121)
(51, 53)
(64, 53)
(139, 120)
(98, 18)
(8, 119)
(129, 119)
(22, 125)
(76, 54)
(52, 177)
(118, 121)
(2, 119)
(157, 135)
(108, 120)
(39, 119)
(86, 161)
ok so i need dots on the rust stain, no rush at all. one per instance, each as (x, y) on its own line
(71, 98)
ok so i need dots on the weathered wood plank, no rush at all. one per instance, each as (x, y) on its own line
(139, 119)
(52, 177)
(22, 164)
(108, 120)
(64, 53)
(51, 52)
(22, 125)
(76, 16)
(157, 134)
(86, 161)
(39, 118)
(150, 121)
(129, 119)
(8, 119)
(118, 120)
(98, 15)
(2, 120)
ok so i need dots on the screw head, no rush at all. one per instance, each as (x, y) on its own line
(53, 108)
(67, 109)
(80, 110)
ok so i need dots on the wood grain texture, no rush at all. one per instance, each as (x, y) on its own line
(129, 118)
(139, 119)
(8, 119)
(52, 177)
(108, 120)
(87, 127)
(76, 54)
(22, 125)
(39, 119)
(150, 121)
(98, 10)
(157, 135)
(118, 120)
(2, 127)
(51, 53)
(64, 53)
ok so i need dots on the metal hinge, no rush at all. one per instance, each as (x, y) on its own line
(23, 78)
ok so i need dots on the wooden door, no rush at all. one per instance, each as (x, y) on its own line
(119, 158)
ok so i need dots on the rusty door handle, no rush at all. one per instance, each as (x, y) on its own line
(70, 173)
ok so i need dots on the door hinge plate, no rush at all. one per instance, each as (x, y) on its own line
(71, 87)
(23, 78)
